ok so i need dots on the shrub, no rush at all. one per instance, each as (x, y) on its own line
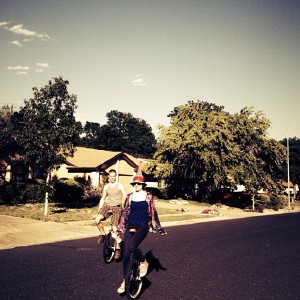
(22, 192)
(92, 194)
(67, 190)
(34, 192)
(8, 193)
(263, 200)
(277, 202)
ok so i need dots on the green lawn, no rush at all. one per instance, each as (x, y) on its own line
(60, 213)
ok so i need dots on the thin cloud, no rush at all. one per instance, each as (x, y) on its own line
(43, 65)
(16, 43)
(23, 70)
(22, 73)
(20, 30)
(18, 68)
(3, 24)
(137, 80)
(26, 40)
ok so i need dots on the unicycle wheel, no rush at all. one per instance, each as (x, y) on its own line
(108, 248)
(133, 281)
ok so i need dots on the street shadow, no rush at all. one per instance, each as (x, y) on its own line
(154, 263)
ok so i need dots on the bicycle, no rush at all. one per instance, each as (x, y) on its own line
(133, 280)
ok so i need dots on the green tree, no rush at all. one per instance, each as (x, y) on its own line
(6, 130)
(126, 133)
(91, 135)
(207, 146)
(294, 157)
(122, 132)
(46, 127)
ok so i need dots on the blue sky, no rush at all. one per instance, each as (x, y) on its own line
(146, 57)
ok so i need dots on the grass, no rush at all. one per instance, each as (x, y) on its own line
(72, 213)
(56, 213)
(85, 212)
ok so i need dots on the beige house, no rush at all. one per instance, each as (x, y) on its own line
(95, 164)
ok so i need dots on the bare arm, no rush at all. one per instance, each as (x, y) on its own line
(123, 193)
(102, 200)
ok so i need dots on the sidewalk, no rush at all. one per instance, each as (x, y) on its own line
(18, 232)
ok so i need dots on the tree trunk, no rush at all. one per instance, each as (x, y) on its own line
(47, 195)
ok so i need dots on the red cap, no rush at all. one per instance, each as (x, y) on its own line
(138, 179)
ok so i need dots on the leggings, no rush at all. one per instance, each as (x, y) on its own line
(131, 241)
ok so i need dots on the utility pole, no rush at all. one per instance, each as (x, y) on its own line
(288, 170)
(288, 165)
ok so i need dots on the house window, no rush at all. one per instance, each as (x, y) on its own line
(19, 172)
(8, 173)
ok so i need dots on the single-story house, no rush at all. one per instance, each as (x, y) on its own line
(88, 163)
(11, 166)
(290, 188)
(95, 164)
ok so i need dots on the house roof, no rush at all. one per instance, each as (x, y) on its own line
(285, 183)
(93, 158)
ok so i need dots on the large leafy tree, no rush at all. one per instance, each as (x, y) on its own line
(294, 159)
(6, 130)
(206, 146)
(91, 135)
(46, 127)
(122, 132)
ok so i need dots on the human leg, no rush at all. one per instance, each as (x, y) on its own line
(100, 227)
(131, 245)
(126, 253)
(126, 258)
(102, 215)
(115, 217)
(99, 224)
(131, 242)
(136, 240)
(118, 241)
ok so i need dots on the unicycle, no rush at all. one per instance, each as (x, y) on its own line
(110, 243)
(133, 280)
(109, 248)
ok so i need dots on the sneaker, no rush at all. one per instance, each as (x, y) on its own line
(100, 239)
(117, 254)
(121, 289)
(143, 268)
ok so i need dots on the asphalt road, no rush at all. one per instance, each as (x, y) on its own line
(250, 258)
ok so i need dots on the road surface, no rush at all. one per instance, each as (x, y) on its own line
(250, 258)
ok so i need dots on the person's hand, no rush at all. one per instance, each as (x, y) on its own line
(119, 231)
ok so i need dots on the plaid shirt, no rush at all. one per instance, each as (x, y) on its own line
(152, 214)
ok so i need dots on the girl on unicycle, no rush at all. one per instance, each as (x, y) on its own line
(138, 216)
